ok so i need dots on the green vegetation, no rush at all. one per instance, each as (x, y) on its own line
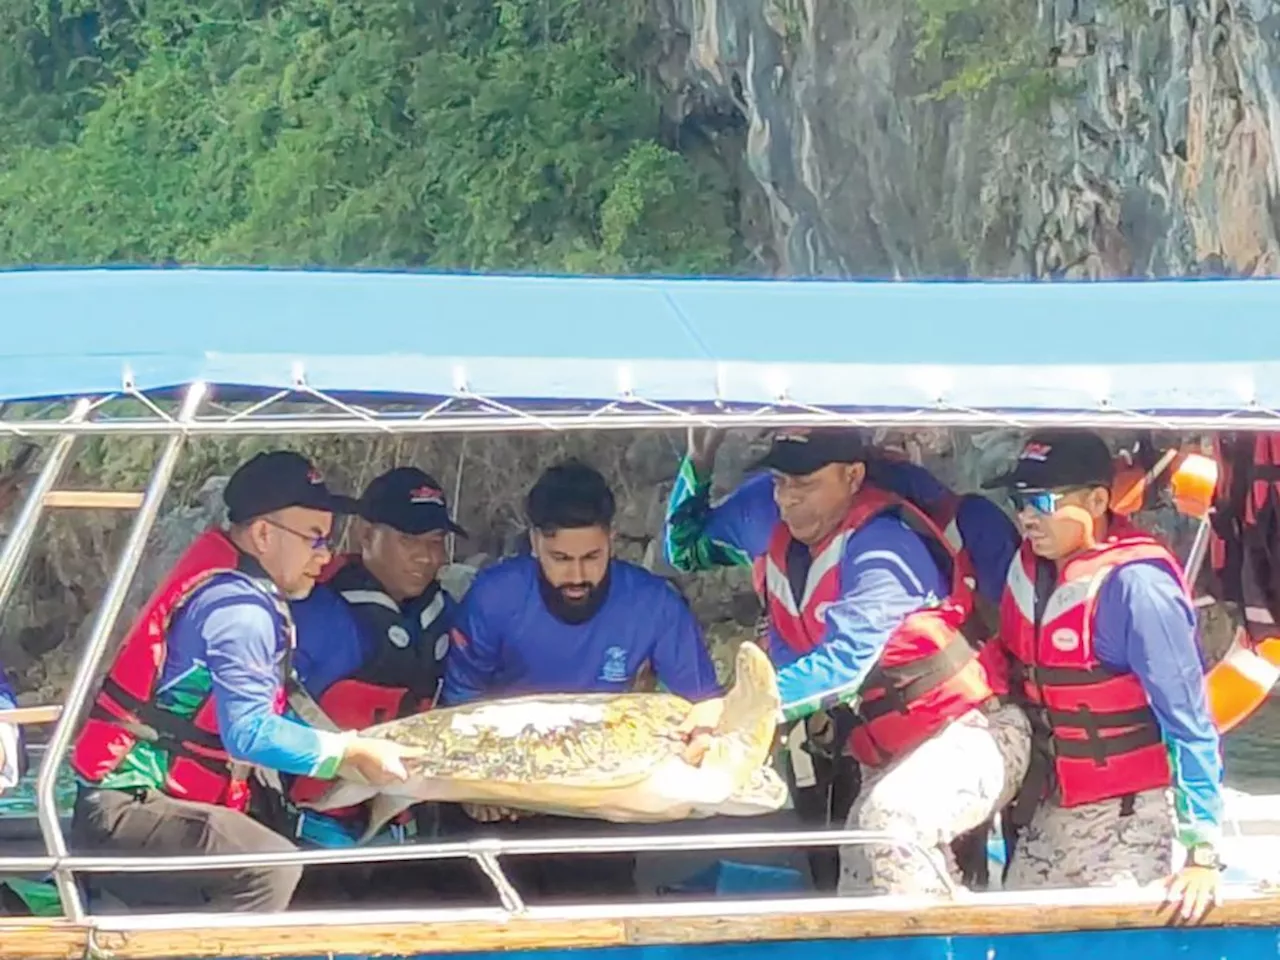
(466, 134)
(972, 48)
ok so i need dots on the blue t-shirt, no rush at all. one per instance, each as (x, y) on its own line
(508, 643)
(331, 644)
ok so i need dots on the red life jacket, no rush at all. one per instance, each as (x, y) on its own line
(125, 713)
(943, 513)
(1245, 546)
(1096, 724)
(928, 673)
(360, 701)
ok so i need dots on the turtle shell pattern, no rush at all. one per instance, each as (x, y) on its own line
(592, 739)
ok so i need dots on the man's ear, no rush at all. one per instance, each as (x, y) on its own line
(258, 534)
(1098, 502)
(857, 476)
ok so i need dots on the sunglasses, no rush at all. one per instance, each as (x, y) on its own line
(315, 541)
(1040, 501)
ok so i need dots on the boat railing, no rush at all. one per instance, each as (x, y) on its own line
(485, 852)
(85, 418)
(64, 866)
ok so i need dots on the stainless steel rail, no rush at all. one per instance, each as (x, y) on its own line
(18, 543)
(86, 673)
(781, 415)
(486, 852)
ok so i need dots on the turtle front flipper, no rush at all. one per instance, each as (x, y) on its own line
(384, 808)
(743, 739)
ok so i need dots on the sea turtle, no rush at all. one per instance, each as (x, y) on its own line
(605, 756)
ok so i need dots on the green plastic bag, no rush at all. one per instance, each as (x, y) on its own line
(40, 896)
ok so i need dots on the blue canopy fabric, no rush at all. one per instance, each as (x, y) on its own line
(1190, 346)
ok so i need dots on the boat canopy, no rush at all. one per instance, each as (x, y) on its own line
(654, 351)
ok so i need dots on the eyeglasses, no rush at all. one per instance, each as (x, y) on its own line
(315, 541)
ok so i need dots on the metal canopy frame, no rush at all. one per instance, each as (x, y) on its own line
(307, 410)
(303, 410)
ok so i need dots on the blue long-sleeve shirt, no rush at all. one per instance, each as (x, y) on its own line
(1145, 625)
(507, 642)
(228, 628)
(698, 536)
(12, 743)
(887, 571)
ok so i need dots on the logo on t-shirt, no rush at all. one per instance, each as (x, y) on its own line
(615, 666)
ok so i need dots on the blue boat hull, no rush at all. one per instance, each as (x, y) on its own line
(1209, 943)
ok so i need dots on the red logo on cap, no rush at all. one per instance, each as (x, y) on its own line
(425, 494)
(1036, 451)
(313, 476)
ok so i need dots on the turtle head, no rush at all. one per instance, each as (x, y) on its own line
(744, 737)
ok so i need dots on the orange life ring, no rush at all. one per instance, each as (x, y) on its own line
(1239, 683)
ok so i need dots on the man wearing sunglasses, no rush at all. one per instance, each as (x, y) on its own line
(1098, 633)
(195, 699)
(867, 575)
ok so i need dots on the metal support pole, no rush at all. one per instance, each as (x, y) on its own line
(82, 685)
(18, 544)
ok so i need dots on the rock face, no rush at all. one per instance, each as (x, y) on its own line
(487, 478)
(1129, 137)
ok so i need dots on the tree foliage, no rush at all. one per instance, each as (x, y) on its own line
(464, 134)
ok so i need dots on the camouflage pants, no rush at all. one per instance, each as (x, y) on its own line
(945, 787)
(1097, 845)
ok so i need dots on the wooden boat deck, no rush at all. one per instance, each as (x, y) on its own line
(409, 933)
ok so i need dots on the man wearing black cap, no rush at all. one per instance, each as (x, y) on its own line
(387, 597)
(195, 698)
(866, 570)
(1099, 632)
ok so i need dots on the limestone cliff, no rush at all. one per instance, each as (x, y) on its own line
(1042, 138)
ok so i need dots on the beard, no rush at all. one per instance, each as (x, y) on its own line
(577, 606)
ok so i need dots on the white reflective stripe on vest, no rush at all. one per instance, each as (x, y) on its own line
(778, 587)
(376, 597)
(778, 584)
(952, 534)
(1251, 666)
(1021, 590)
(1066, 597)
(432, 611)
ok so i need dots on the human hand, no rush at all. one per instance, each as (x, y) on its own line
(379, 762)
(487, 813)
(1196, 889)
(698, 727)
(703, 444)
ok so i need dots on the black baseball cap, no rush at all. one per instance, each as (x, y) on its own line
(1053, 459)
(800, 451)
(409, 500)
(278, 479)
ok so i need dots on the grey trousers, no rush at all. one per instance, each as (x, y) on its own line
(149, 823)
